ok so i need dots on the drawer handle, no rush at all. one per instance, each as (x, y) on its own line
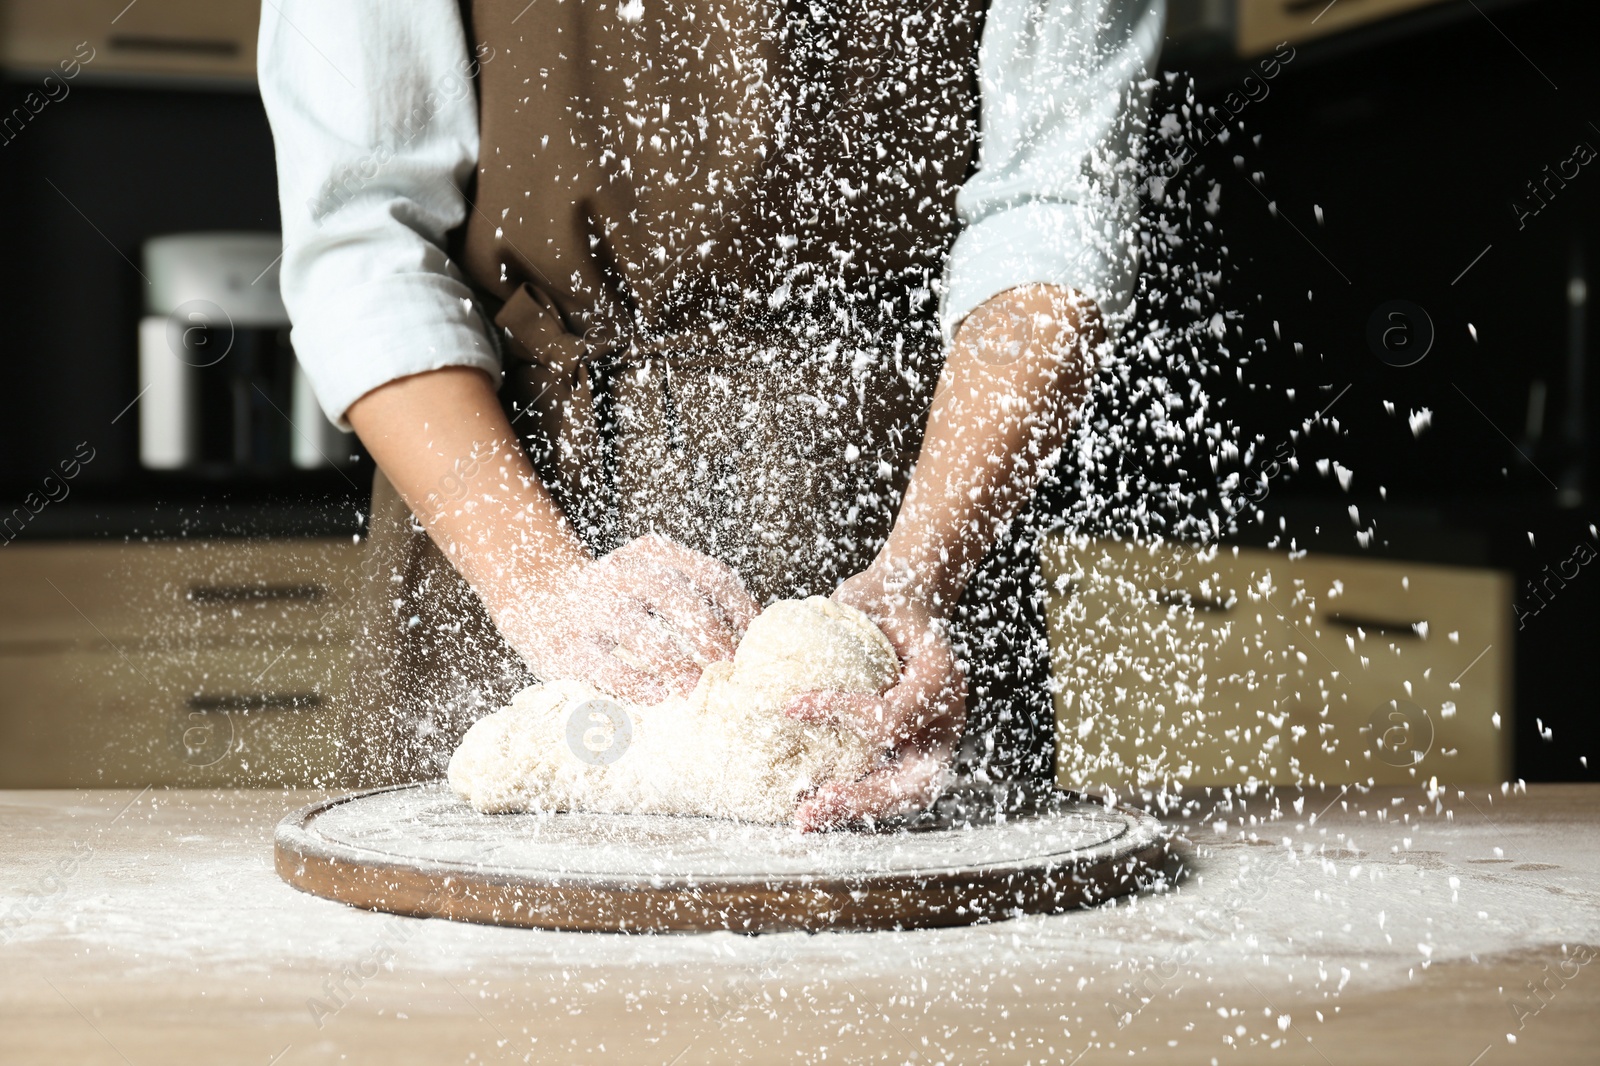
(1377, 625)
(191, 46)
(1304, 7)
(255, 593)
(1180, 598)
(261, 701)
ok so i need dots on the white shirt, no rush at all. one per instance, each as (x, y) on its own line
(368, 194)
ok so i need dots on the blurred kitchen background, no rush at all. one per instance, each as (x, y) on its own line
(176, 607)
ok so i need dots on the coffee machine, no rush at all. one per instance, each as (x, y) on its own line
(220, 390)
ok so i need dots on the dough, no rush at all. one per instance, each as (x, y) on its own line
(726, 750)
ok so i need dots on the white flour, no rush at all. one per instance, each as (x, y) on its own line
(727, 750)
(187, 882)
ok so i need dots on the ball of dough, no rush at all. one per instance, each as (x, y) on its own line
(726, 750)
(815, 643)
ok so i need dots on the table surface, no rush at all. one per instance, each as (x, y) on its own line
(1337, 927)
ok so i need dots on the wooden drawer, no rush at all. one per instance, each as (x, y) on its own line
(1264, 24)
(1223, 667)
(1407, 670)
(1164, 662)
(176, 594)
(201, 663)
(228, 717)
(211, 39)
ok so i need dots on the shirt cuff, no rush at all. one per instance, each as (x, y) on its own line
(385, 329)
(1038, 242)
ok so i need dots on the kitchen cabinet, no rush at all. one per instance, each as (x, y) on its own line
(1263, 24)
(1249, 28)
(207, 41)
(1173, 665)
(227, 662)
(205, 663)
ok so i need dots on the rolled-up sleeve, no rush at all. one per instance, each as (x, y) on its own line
(375, 122)
(1065, 88)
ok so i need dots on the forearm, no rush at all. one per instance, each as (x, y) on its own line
(1001, 412)
(442, 438)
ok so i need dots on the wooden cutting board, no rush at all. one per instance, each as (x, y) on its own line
(419, 850)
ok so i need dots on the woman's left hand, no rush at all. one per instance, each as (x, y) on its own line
(918, 721)
(1011, 381)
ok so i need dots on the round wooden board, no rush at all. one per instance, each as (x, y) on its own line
(420, 850)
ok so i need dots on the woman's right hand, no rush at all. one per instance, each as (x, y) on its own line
(640, 623)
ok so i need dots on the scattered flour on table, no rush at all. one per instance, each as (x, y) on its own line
(184, 886)
(726, 750)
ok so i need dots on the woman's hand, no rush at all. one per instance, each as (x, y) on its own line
(1012, 380)
(640, 623)
(918, 720)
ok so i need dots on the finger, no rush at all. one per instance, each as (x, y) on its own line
(910, 784)
(681, 680)
(928, 699)
(920, 707)
(616, 678)
(677, 678)
(631, 641)
(931, 681)
(588, 661)
(672, 595)
(713, 577)
(723, 587)
(642, 641)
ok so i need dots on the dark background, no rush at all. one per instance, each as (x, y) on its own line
(81, 189)
(1415, 138)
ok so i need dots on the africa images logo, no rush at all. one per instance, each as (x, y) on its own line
(599, 731)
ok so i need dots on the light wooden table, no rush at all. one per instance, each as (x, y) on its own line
(1326, 928)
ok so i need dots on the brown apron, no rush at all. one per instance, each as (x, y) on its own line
(710, 235)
